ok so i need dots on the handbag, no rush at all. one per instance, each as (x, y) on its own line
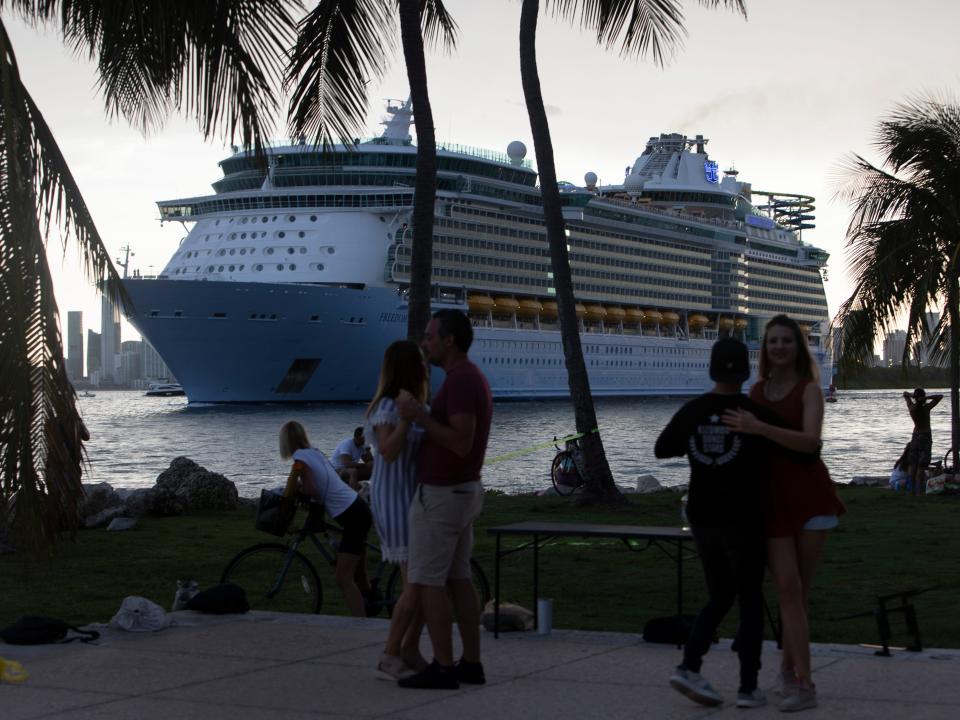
(33, 630)
(275, 513)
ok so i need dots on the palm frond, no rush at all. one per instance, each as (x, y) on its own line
(220, 62)
(438, 25)
(341, 46)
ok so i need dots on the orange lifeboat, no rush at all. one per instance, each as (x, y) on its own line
(550, 310)
(725, 323)
(670, 318)
(480, 303)
(505, 305)
(652, 317)
(529, 308)
(595, 313)
(615, 314)
(581, 310)
(697, 321)
(633, 316)
(805, 328)
(740, 323)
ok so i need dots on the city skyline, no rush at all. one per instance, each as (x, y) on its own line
(783, 97)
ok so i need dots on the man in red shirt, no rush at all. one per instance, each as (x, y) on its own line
(449, 498)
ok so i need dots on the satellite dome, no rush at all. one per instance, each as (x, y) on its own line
(516, 151)
(590, 179)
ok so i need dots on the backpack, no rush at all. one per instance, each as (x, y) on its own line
(220, 600)
(32, 630)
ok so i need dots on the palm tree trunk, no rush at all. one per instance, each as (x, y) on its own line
(953, 310)
(425, 185)
(599, 484)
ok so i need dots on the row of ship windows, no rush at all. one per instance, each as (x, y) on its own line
(260, 202)
(243, 251)
(319, 267)
(279, 234)
(558, 362)
(243, 220)
(589, 349)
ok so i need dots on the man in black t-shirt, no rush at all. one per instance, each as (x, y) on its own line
(723, 509)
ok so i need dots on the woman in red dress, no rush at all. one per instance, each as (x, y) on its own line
(800, 502)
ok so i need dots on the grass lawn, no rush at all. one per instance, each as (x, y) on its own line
(886, 543)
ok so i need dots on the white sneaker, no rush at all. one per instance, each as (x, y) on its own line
(801, 698)
(392, 667)
(753, 699)
(695, 687)
(787, 684)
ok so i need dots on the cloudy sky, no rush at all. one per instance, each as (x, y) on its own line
(782, 96)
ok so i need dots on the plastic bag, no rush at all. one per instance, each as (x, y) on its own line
(275, 513)
(137, 614)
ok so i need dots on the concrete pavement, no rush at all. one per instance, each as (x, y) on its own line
(264, 666)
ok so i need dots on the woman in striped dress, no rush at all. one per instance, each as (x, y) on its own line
(395, 443)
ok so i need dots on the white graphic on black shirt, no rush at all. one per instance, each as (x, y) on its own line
(717, 445)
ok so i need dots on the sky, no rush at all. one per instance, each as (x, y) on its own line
(783, 96)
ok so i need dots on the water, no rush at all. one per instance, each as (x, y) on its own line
(133, 438)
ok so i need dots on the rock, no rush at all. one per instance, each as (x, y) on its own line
(140, 502)
(871, 480)
(246, 502)
(626, 489)
(648, 484)
(166, 502)
(681, 488)
(97, 498)
(103, 517)
(197, 487)
(122, 523)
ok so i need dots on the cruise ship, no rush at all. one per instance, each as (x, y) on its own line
(292, 276)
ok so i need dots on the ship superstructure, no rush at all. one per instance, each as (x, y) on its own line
(292, 278)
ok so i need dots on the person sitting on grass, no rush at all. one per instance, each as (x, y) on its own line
(314, 476)
(352, 459)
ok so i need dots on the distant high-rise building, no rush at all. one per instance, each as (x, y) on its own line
(154, 368)
(130, 370)
(74, 345)
(93, 353)
(109, 340)
(893, 346)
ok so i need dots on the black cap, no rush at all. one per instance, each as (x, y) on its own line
(729, 361)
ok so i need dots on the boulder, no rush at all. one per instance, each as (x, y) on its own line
(166, 502)
(197, 487)
(648, 484)
(140, 502)
(871, 480)
(97, 498)
(103, 517)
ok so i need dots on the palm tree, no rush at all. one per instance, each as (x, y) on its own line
(647, 26)
(903, 240)
(218, 62)
(341, 45)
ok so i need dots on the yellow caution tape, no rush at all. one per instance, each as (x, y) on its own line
(12, 671)
(523, 451)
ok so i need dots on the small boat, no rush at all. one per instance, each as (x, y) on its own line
(87, 393)
(164, 390)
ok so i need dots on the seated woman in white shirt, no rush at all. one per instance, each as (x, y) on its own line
(314, 476)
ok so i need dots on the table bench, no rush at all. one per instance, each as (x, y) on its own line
(669, 539)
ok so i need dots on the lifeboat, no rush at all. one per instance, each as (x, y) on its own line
(651, 317)
(805, 328)
(581, 310)
(480, 303)
(670, 318)
(740, 323)
(726, 323)
(505, 305)
(697, 320)
(549, 310)
(633, 316)
(595, 313)
(529, 308)
(615, 314)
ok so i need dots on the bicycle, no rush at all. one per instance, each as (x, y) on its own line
(279, 577)
(566, 470)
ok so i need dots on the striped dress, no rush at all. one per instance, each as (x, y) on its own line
(392, 485)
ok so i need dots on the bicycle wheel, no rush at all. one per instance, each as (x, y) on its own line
(276, 578)
(480, 584)
(564, 474)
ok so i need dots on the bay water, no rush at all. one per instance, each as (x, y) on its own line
(133, 438)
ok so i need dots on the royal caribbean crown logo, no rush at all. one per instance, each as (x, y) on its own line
(712, 171)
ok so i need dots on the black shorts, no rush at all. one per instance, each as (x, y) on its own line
(355, 521)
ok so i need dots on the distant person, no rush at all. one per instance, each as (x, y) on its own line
(900, 478)
(449, 498)
(921, 443)
(800, 501)
(724, 513)
(314, 476)
(352, 460)
(396, 442)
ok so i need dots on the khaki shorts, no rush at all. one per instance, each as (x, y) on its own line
(441, 532)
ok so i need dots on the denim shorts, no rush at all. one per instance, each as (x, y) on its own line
(821, 522)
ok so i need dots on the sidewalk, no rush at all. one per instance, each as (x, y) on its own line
(265, 666)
